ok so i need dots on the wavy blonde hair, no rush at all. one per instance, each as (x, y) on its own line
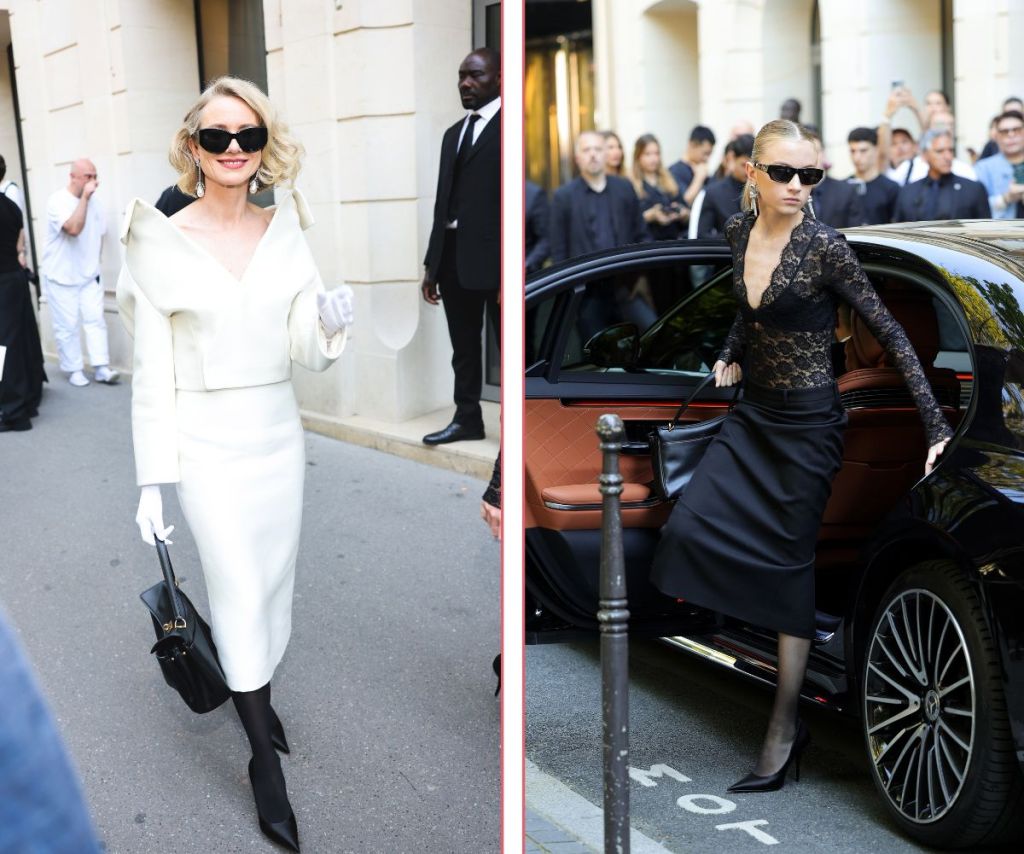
(281, 157)
(778, 130)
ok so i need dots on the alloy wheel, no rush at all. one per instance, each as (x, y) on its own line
(919, 705)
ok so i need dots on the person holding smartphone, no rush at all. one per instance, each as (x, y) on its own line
(661, 203)
(665, 215)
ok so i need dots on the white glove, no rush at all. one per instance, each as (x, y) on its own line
(150, 515)
(336, 309)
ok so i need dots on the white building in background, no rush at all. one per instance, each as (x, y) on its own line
(368, 86)
(663, 66)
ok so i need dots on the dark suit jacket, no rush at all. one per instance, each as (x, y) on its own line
(721, 201)
(538, 247)
(173, 200)
(478, 244)
(569, 233)
(959, 198)
(836, 203)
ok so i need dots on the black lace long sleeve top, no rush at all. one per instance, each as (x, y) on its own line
(785, 342)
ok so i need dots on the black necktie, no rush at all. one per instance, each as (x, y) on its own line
(464, 149)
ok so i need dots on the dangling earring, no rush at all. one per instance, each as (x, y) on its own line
(200, 186)
(254, 186)
(810, 208)
(753, 200)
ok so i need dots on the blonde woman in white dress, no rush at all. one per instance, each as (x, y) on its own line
(221, 299)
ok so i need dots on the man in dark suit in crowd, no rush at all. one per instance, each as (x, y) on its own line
(836, 203)
(594, 211)
(722, 197)
(877, 193)
(941, 194)
(538, 247)
(464, 252)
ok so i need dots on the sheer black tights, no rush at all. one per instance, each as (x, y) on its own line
(778, 741)
(253, 709)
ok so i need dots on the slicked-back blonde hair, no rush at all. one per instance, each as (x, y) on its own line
(778, 130)
(281, 156)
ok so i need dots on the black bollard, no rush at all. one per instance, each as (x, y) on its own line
(613, 618)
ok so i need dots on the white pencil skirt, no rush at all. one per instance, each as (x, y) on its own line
(242, 458)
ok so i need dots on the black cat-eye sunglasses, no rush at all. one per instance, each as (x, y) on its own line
(216, 141)
(809, 176)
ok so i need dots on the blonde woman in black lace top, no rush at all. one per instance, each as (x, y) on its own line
(741, 539)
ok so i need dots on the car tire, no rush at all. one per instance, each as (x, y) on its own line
(934, 714)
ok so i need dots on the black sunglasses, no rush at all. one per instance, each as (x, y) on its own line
(216, 141)
(809, 176)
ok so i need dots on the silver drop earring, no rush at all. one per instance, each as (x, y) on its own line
(200, 186)
(753, 200)
(254, 186)
(810, 208)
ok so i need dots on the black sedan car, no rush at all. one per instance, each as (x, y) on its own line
(919, 580)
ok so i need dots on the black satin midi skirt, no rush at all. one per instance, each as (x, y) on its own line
(741, 538)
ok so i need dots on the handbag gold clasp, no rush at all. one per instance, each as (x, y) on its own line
(179, 623)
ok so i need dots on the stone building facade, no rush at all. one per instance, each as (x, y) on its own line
(663, 66)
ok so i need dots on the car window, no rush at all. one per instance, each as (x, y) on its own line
(679, 319)
(953, 350)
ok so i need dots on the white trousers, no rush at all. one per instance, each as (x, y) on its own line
(68, 303)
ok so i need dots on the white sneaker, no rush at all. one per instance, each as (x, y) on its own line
(104, 374)
(77, 378)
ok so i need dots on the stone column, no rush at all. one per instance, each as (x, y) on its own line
(864, 48)
(369, 88)
(989, 63)
(647, 71)
(731, 79)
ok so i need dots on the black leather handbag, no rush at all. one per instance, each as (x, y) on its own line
(676, 449)
(184, 646)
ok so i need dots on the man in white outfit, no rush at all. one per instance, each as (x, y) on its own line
(71, 270)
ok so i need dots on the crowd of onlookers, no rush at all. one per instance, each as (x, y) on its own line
(897, 177)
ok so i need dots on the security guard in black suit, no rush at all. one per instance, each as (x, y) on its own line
(941, 195)
(464, 252)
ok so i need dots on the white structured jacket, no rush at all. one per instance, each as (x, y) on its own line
(198, 328)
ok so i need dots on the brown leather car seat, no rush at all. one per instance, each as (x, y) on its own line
(885, 446)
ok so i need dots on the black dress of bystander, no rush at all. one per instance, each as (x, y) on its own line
(22, 377)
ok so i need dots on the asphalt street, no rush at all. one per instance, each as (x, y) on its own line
(386, 690)
(703, 727)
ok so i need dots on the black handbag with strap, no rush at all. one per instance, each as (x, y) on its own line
(677, 449)
(184, 646)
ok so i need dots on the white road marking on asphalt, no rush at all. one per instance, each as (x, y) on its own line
(751, 827)
(656, 772)
(562, 806)
(721, 805)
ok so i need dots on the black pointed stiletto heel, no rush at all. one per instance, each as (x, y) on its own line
(277, 733)
(755, 783)
(284, 832)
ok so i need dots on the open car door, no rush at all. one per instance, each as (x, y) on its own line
(630, 331)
